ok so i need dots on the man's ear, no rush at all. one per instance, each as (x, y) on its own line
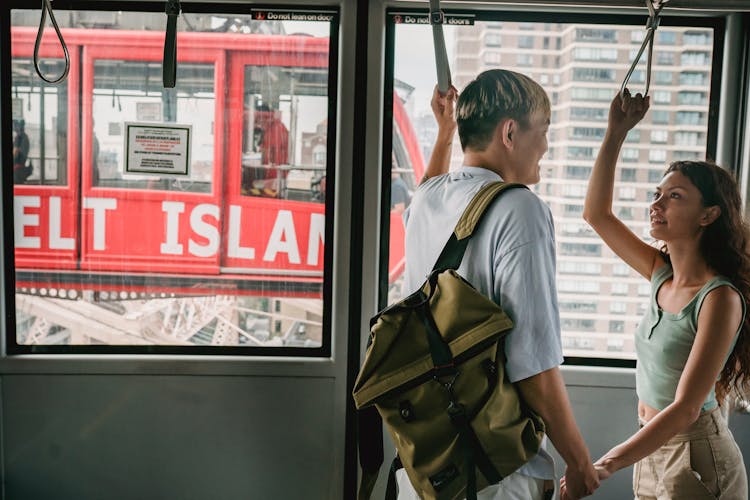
(507, 129)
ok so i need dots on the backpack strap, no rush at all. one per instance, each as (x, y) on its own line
(453, 251)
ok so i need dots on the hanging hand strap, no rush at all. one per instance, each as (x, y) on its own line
(441, 55)
(169, 65)
(654, 11)
(47, 8)
(453, 252)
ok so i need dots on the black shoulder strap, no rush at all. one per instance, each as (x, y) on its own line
(453, 252)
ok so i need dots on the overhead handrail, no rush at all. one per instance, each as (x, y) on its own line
(47, 8)
(654, 11)
(441, 55)
(169, 64)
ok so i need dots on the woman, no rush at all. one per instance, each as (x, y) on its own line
(693, 344)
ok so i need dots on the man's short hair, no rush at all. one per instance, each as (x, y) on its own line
(493, 96)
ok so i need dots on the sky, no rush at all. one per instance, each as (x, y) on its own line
(415, 60)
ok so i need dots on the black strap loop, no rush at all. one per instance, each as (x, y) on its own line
(169, 65)
(47, 8)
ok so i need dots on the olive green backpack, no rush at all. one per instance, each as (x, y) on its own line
(435, 372)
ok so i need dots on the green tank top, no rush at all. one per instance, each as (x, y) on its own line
(663, 342)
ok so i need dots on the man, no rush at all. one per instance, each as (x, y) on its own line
(502, 120)
(399, 193)
(21, 146)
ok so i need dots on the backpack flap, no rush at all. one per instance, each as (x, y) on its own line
(400, 353)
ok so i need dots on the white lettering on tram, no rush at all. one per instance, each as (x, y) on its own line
(56, 240)
(24, 220)
(202, 228)
(283, 239)
(234, 250)
(317, 236)
(100, 207)
(173, 209)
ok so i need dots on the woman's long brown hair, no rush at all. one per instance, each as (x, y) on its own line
(724, 245)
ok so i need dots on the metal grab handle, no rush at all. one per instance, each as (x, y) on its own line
(441, 54)
(654, 11)
(47, 8)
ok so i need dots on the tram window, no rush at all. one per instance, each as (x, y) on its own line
(121, 255)
(593, 65)
(284, 133)
(40, 113)
(131, 91)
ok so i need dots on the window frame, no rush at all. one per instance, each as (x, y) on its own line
(324, 351)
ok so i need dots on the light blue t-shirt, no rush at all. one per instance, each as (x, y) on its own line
(510, 258)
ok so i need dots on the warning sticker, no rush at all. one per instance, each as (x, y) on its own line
(157, 149)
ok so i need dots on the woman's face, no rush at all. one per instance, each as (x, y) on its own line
(677, 211)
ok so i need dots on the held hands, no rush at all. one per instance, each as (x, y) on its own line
(626, 111)
(602, 471)
(444, 109)
(578, 484)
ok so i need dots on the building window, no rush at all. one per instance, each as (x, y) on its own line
(689, 118)
(663, 77)
(659, 116)
(627, 193)
(577, 286)
(589, 94)
(618, 288)
(594, 54)
(584, 307)
(659, 136)
(525, 60)
(593, 75)
(691, 98)
(628, 174)
(595, 35)
(662, 96)
(621, 269)
(687, 138)
(581, 249)
(655, 176)
(525, 42)
(574, 210)
(618, 307)
(696, 38)
(695, 59)
(665, 58)
(630, 154)
(696, 78)
(587, 133)
(493, 40)
(492, 58)
(616, 327)
(657, 155)
(580, 153)
(578, 267)
(666, 37)
(576, 172)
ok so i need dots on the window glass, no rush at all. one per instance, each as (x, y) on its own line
(40, 115)
(581, 87)
(190, 219)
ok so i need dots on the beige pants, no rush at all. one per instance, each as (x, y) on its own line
(704, 462)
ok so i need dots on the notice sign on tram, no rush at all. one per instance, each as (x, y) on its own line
(157, 149)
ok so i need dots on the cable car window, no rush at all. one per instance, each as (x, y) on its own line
(40, 111)
(595, 56)
(132, 91)
(136, 229)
